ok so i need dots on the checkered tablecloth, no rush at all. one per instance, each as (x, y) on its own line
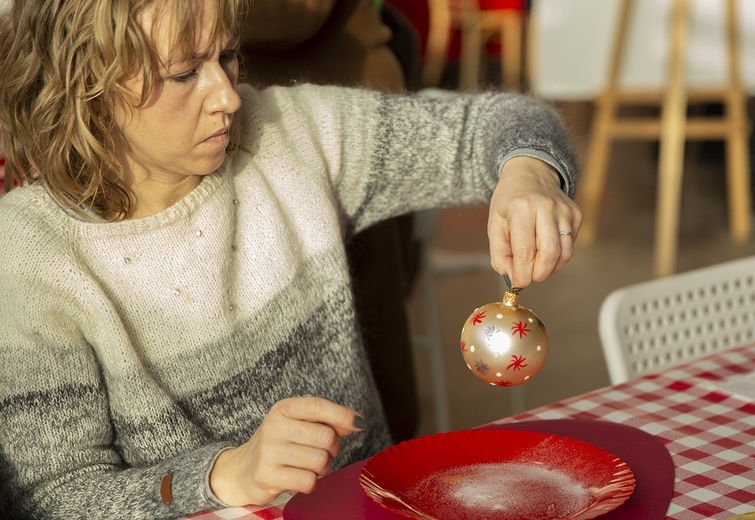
(709, 432)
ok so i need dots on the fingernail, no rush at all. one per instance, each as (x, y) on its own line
(359, 422)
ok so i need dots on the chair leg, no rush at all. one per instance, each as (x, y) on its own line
(437, 43)
(471, 55)
(590, 193)
(511, 54)
(434, 345)
(738, 175)
(737, 153)
(670, 174)
(673, 136)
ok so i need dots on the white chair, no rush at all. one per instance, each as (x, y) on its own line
(437, 262)
(652, 325)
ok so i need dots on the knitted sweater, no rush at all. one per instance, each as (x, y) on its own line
(130, 350)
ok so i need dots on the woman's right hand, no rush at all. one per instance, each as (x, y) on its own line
(293, 446)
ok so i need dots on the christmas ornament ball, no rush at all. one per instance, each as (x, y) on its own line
(504, 344)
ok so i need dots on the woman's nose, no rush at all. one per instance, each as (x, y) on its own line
(222, 95)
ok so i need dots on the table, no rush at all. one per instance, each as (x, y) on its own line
(709, 432)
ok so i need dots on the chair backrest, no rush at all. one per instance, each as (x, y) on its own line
(663, 322)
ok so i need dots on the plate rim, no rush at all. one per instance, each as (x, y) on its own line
(622, 482)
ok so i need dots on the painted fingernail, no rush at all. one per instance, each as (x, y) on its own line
(359, 422)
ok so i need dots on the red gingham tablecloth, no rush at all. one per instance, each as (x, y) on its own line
(709, 432)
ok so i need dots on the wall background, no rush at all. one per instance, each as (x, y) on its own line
(572, 42)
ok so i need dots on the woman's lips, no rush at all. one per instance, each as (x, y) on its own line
(219, 139)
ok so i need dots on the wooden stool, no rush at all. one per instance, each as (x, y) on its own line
(476, 27)
(672, 129)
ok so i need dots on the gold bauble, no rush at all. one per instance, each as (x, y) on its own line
(504, 344)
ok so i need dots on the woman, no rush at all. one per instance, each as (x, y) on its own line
(177, 326)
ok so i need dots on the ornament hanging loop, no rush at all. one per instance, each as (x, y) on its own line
(508, 284)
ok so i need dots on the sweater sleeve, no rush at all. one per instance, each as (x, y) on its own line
(59, 452)
(389, 154)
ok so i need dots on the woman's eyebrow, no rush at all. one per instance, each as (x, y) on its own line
(198, 57)
(232, 42)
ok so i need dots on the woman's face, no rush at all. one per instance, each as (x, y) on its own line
(182, 130)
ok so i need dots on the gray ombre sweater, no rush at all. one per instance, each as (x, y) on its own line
(134, 349)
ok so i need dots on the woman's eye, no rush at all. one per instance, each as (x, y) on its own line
(228, 56)
(183, 78)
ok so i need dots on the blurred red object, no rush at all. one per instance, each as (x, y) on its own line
(418, 13)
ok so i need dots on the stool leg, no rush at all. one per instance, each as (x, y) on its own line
(737, 153)
(590, 193)
(673, 135)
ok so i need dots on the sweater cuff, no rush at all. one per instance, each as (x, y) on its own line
(207, 489)
(566, 186)
(184, 486)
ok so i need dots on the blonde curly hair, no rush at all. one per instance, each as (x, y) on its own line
(69, 60)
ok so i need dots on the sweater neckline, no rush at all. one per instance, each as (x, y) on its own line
(176, 212)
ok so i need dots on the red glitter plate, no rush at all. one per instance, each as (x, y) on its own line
(497, 475)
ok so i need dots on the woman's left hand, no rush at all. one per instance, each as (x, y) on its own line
(528, 211)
